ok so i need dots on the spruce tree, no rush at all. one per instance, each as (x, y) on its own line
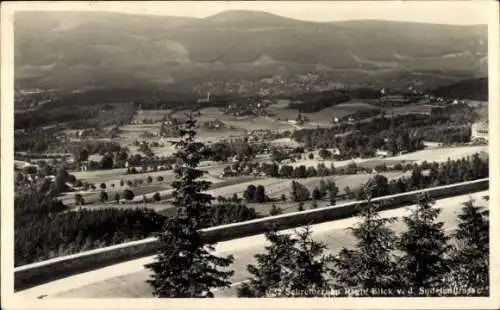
(301, 206)
(333, 191)
(470, 255)
(371, 265)
(424, 244)
(260, 194)
(310, 270)
(275, 210)
(316, 194)
(103, 196)
(266, 275)
(61, 179)
(185, 266)
(290, 265)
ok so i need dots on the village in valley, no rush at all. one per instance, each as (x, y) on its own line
(256, 141)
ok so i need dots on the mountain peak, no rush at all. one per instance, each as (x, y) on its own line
(250, 18)
(233, 14)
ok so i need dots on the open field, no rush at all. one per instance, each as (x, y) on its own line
(164, 189)
(323, 117)
(339, 111)
(99, 176)
(442, 154)
(434, 153)
(286, 142)
(240, 124)
(261, 123)
(127, 280)
(279, 110)
(337, 163)
(154, 115)
(228, 187)
(94, 196)
(353, 181)
(113, 176)
(411, 108)
(131, 132)
(276, 187)
(264, 209)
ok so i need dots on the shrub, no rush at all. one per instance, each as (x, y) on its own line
(128, 194)
(79, 200)
(301, 206)
(103, 196)
(275, 210)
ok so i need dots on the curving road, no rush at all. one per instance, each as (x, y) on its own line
(128, 279)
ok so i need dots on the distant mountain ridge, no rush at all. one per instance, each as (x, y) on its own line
(95, 49)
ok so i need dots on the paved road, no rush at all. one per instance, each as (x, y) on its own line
(128, 279)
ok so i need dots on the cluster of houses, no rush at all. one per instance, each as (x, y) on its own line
(229, 172)
(256, 108)
(214, 124)
(394, 99)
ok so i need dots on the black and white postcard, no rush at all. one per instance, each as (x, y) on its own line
(244, 154)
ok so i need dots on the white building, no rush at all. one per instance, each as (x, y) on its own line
(336, 151)
(479, 131)
(382, 153)
(204, 100)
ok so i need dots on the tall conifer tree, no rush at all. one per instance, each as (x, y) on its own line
(470, 257)
(371, 266)
(292, 266)
(425, 247)
(185, 266)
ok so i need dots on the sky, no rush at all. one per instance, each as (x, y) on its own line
(442, 12)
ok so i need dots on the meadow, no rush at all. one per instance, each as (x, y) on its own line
(431, 154)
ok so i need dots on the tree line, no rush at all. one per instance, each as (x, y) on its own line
(36, 140)
(317, 101)
(422, 176)
(310, 103)
(396, 133)
(82, 116)
(436, 174)
(321, 170)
